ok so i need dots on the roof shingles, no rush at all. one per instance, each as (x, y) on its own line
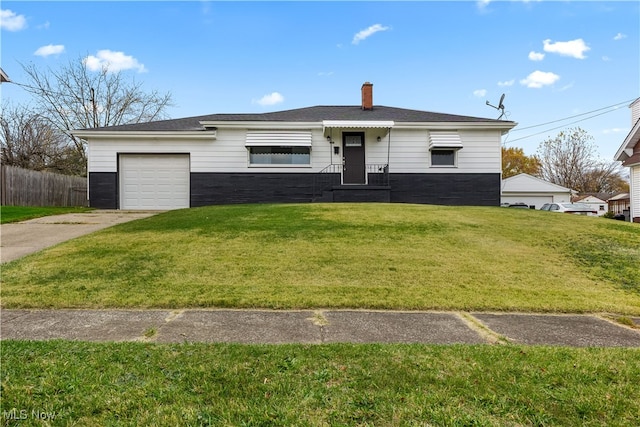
(309, 114)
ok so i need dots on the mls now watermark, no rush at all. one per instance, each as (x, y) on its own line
(24, 414)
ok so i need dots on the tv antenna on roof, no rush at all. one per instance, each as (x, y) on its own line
(499, 107)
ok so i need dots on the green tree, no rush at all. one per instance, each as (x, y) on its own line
(515, 162)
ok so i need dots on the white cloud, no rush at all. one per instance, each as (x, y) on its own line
(10, 21)
(49, 50)
(566, 87)
(361, 35)
(606, 58)
(271, 99)
(620, 36)
(507, 83)
(536, 56)
(615, 130)
(482, 4)
(538, 79)
(480, 93)
(113, 61)
(325, 73)
(574, 48)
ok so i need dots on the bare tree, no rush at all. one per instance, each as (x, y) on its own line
(74, 97)
(28, 140)
(606, 178)
(570, 160)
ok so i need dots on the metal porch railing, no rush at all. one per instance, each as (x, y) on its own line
(331, 176)
(378, 174)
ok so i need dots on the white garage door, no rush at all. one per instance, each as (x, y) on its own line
(154, 181)
(536, 201)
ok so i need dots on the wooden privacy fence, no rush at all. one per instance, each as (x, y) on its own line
(24, 187)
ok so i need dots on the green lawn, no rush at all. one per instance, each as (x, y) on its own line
(21, 213)
(384, 256)
(136, 384)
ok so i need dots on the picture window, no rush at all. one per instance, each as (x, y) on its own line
(441, 157)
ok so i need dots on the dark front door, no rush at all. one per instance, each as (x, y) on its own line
(353, 158)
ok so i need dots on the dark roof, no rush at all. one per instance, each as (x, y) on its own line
(602, 196)
(309, 114)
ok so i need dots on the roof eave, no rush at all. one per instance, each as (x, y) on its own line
(497, 125)
(626, 149)
(97, 134)
(253, 124)
(4, 78)
(633, 160)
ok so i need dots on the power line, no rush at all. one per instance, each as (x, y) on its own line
(577, 115)
(609, 110)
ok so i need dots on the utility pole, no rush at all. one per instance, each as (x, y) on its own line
(93, 105)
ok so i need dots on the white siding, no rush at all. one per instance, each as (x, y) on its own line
(535, 199)
(532, 191)
(595, 204)
(480, 152)
(635, 191)
(225, 154)
(408, 153)
(635, 111)
(530, 200)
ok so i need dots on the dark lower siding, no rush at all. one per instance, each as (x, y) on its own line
(103, 190)
(440, 189)
(227, 188)
(470, 189)
(230, 188)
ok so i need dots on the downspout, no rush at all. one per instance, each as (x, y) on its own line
(388, 155)
(388, 145)
(332, 142)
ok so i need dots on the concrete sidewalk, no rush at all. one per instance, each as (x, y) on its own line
(316, 327)
(26, 237)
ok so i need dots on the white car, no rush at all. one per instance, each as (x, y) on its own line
(570, 208)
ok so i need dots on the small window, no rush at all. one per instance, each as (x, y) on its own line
(279, 155)
(602, 207)
(441, 157)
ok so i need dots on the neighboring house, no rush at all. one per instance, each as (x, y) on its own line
(3, 77)
(629, 155)
(364, 152)
(527, 189)
(620, 204)
(598, 204)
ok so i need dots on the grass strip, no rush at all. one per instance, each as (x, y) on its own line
(138, 384)
(10, 214)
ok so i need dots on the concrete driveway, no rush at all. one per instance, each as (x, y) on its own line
(24, 238)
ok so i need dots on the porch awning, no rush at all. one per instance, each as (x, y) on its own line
(358, 123)
(280, 138)
(444, 139)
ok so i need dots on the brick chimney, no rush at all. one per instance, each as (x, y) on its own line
(367, 96)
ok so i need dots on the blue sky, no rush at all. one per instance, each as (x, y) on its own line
(552, 59)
